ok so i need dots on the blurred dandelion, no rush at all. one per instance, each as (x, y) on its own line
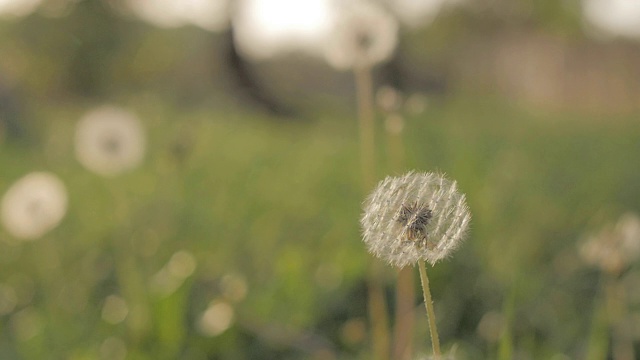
(34, 205)
(388, 99)
(613, 17)
(17, 8)
(234, 287)
(216, 319)
(109, 141)
(180, 267)
(418, 216)
(364, 35)
(113, 348)
(114, 310)
(27, 324)
(416, 103)
(394, 124)
(613, 248)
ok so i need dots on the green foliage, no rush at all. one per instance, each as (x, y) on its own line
(280, 205)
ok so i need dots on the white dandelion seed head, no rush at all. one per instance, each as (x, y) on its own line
(363, 34)
(109, 141)
(418, 216)
(33, 205)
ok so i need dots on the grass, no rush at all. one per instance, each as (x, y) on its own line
(277, 202)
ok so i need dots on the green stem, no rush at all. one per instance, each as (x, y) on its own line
(377, 302)
(405, 295)
(430, 313)
(364, 91)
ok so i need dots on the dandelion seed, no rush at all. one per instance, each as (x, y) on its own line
(364, 35)
(418, 216)
(109, 141)
(34, 205)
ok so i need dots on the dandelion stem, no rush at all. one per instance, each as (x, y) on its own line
(378, 315)
(430, 313)
(364, 90)
(377, 303)
(405, 295)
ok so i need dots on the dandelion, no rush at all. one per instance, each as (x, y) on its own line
(218, 317)
(610, 18)
(364, 35)
(113, 348)
(109, 141)
(388, 99)
(418, 216)
(614, 248)
(416, 103)
(114, 310)
(34, 205)
(166, 281)
(234, 287)
(415, 218)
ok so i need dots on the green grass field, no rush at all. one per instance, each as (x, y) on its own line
(278, 205)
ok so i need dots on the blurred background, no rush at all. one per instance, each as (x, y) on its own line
(182, 179)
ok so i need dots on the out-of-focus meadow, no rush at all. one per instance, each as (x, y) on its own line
(236, 236)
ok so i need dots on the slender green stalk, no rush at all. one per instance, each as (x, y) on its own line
(405, 303)
(430, 313)
(364, 90)
(598, 345)
(378, 316)
(616, 309)
(505, 346)
(46, 260)
(377, 303)
(130, 280)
